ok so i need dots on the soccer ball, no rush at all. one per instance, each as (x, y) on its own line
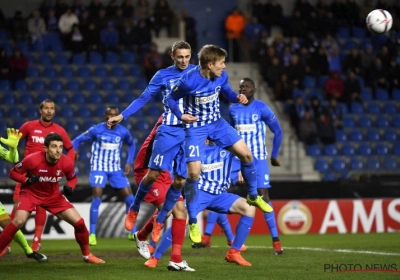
(379, 21)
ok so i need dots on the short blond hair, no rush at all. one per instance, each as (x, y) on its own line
(210, 53)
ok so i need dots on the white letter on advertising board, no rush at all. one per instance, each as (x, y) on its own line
(336, 221)
(359, 213)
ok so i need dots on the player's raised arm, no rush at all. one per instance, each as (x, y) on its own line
(18, 172)
(273, 124)
(230, 95)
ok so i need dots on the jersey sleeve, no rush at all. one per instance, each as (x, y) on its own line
(180, 90)
(69, 172)
(24, 129)
(227, 91)
(17, 173)
(273, 124)
(132, 148)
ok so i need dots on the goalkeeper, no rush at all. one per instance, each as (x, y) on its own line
(11, 155)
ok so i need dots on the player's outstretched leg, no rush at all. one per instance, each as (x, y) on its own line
(271, 223)
(82, 237)
(40, 221)
(21, 240)
(191, 195)
(242, 231)
(94, 216)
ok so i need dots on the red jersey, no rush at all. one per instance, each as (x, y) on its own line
(49, 174)
(35, 132)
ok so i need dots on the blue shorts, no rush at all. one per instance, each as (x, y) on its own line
(220, 132)
(168, 148)
(262, 172)
(220, 203)
(117, 179)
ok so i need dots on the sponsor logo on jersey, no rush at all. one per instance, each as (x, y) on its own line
(117, 139)
(222, 153)
(19, 165)
(245, 127)
(38, 139)
(109, 146)
(212, 166)
(155, 192)
(206, 99)
(49, 179)
(58, 172)
(43, 170)
(254, 117)
(37, 131)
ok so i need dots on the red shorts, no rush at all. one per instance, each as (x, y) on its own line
(16, 191)
(158, 191)
(54, 203)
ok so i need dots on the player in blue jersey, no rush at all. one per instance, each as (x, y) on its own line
(213, 183)
(251, 120)
(105, 164)
(168, 145)
(201, 88)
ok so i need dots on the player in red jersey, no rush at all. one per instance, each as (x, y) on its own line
(40, 188)
(34, 132)
(156, 196)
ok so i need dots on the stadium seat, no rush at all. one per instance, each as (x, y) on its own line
(381, 149)
(99, 110)
(396, 148)
(113, 98)
(73, 85)
(9, 98)
(135, 71)
(356, 135)
(396, 122)
(33, 72)
(373, 135)
(61, 59)
(339, 165)
(359, 32)
(85, 112)
(112, 58)
(330, 150)
(321, 165)
(390, 108)
(4, 34)
(349, 44)
(366, 94)
(298, 92)
(343, 33)
(61, 98)
(88, 123)
(56, 85)
(78, 98)
(32, 112)
(373, 108)
(107, 84)
(79, 59)
(101, 71)
(5, 85)
(348, 121)
(124, 84)
(15, 113)
(364, 150)
(84, 72)
(95, 58)
(45, 59)
(309, 82)
(140, 84)
(95, 98)
(382, 122)
(42, 96)
(340, 136)
(2, 114)
(89, 85)
(330, 176)
(50, 72)
(66, 72)
(84, 153)
(68, 112)
(38, 85)
(356, 108)
(143, 125)
(390, 164)
(21, 85)
(364, 122)
(356, 164)
(154, 110)
(314, 150)
(348, 150)
(373, 164)
(390, 135)
(26, 98)
(396, 94)
(381, 94)
(128, 57)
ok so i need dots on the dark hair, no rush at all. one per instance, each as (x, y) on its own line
(52, 137)
(45, 101)
(180, 45)
(250, 81)
(112, 108)
(211, 53)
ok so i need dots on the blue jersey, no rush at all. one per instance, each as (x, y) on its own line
(201, 96)
(162, 82)
(215, 170)
(251, 121)
(106, 146)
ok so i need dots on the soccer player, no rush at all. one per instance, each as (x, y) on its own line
(105, 164)
(213, 183)
(168, 144)
(41, 188)
(201, 88)
(156, 197)
(250, 120)
(34, 132)
(11, 155)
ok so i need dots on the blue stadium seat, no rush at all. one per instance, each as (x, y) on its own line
(359, 32)
(364, 149)
(26, 98)
(79, 59)
(339, 165)
(365, 122)
(314, 150)
(356, 108)
(382, 122)
(89, 85)
(373, 164)
(124, 84)
(61, 98)
(9, 98)
(390, 135)
(349, 44)
(309, 82)
(340, 136)
(330, 176)
(112, 58)
(84, 72)
(135, 71)
(143, 125)
(356, 164)
(390, 164)
(381, 149)
(15, 113)
(330, 150)
(356, 135)
(2, 114)
(88, 123)
(56, 85)
(85, 112)
(344, 107)
(366, 95)
(84, 152)
(128, 57)
(390, 108)
(73, 127)
(73, 85)
(373, 108)
(68, 112)
(107, 84)
(140, 84)
(343, 33)
(45, 59)
(154, 110)
(32, 112)
(396, 94)
(33, 72)
(298, 92)
(95, 58)
(396, 148)
(66, 72)
(38, 85)
(101, 71)
(31, 59)
(61, 59)
(348, 150)
(322, 165)
(78, 98)
(50, 72)
(113, 98)
(5, 85)
(373, 135)
(95, 98)
(4, 34)
(348, 121)
(118, 71)
(99, 110)
(396, 122)
(381, 94)
(42, 96)
(21, 85)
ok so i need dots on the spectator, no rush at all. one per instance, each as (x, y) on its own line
(296, 71)
(78, 7)
(307, 129)
(329, 43)
(190, 30)
(298, 111)
(60, 8)
(67, 20)
(316, 107)
(274, 72)
(143, 11)
(275, 13)
(101, 19)
(19, 27)
(334, 60)
(18, 65)
(367, 58)
(253, 30)
(296, 25)
(52, 21)
(128, 9)
(325, 128)
(92, 36)
(126, 34)
(94, 8)
(152, 62)
(142, 37)
(312, 43)
(353, 62)
(163, 17)
(286, 56)
(336, 113)
(77, 41)
(110, 37)
(3, 21)
(4, 65)
(84, 21)
(167, 61)
(352, 89)
(235, 24)
(377, 75)
(319, 63)
(258, 10)
(36, 26)
(394, 74)
(334, 86)
(112, 8)
(260, 52)
(119, 19)
(283, 89)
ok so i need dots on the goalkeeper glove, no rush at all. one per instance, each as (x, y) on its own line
(13, 136)
(31, 180)
(68, 191)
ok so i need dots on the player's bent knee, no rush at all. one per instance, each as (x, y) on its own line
(151, 176)
(179, 183)
(179, 211)
(18, 222)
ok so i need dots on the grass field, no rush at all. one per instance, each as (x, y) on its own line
(305, 257)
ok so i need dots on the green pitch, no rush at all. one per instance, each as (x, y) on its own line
(305, 257)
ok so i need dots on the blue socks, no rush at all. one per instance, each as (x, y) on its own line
(211, 220)
(164, 244)
(191, 191)
(271, 223)
(140, 194)
(249, 173)
(171, 198)
(242, 231)
(226, 226)
(94, 213)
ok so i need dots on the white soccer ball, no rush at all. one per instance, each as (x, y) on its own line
(379, 21)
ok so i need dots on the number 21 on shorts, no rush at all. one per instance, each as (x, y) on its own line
(194, 151)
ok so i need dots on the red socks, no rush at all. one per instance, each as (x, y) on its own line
(40, 221)
(82, 237)
(7, 235)
(178, 235)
